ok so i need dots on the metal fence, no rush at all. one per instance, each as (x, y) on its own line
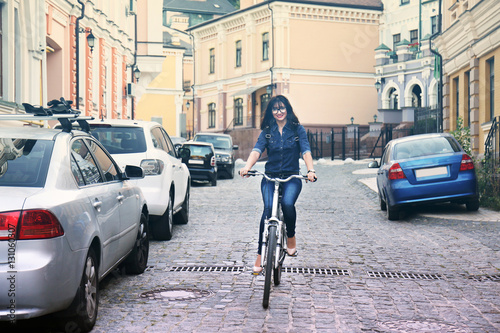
(428, 120)
(356, 143)
(492, 145)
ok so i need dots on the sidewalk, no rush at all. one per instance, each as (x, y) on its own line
(439, 211)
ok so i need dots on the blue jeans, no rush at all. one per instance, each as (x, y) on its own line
(290, 193)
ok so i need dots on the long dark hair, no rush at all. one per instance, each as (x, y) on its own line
(269, 118)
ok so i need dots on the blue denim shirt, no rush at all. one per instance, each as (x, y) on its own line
(284, 150)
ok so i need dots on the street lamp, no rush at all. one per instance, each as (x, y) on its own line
(379, 84)
(137, 73)
(188, 105)
(375, 118)
(352, 120)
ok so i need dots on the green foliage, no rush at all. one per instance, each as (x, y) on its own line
(488, 173)
(488, 178)
(462, 134)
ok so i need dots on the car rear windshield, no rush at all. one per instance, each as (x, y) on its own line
(23, 162)
(425, 147)
(199, 151)
(120, 140)
(219, 142)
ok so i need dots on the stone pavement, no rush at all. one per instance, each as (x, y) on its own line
(356, 271)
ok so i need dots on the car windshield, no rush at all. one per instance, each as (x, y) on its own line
(23, 162)
(120, 140)
(425, 147)
(199, 151)
(219, 142)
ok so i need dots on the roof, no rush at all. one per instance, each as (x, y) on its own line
(124, 123)
(218, 7)
(361, 4)
(213, 134)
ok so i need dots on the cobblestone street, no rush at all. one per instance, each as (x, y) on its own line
(429, 272)
(435, 270)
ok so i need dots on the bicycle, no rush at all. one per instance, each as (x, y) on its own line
(274, 239)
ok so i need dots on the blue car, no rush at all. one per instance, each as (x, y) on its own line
(423, 169)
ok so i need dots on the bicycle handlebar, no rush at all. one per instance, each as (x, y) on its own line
(280, 180)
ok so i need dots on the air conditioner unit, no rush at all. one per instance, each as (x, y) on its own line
(130, 89)
(132, 9)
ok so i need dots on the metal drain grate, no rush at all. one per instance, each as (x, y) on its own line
(482, 278)
(316, 271)
(231, 269)
(404, 275)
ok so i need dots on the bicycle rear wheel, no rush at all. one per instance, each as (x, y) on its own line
(271, 255)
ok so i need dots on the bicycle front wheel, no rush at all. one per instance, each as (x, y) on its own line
(271, 255)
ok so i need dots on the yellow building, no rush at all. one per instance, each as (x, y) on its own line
(469, 45)
(320, 54)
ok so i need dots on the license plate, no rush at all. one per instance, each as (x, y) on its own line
(429, 172)
(196, 162)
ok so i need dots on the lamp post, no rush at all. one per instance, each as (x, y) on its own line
(352, 120)
(91, 43)
(374, 118)
(137, 73)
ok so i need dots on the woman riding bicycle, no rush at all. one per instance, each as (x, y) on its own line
(286, 141)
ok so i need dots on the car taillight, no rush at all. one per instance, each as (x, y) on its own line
(152, 167)
(30, 224)
(395, 172)
(466, 163)
(8, 225)
(212, 161)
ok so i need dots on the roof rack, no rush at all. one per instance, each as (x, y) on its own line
(58, 110)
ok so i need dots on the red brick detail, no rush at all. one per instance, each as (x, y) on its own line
(124, 87)
(89, 105)
(114, 86)
(72, 59)
(102, 78)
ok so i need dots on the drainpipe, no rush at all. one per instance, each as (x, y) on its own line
(440, 62)
(194, 79)
(77, 58)
(132, 67)
(272, 48)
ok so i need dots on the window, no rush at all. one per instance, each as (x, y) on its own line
(265, 46)
(413, 36)
(211, 115)
(490, 68)
(434, 24)
(393, 99)
(238, 111)
(168, 143)
(457, 96)
(212, 61)
(85, 163)
(264, 100)
(238, 53)
(395, 40)
(109, 169)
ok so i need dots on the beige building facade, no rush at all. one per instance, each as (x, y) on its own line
(470, 47)
(320, 54)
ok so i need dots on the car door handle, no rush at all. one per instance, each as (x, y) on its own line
(97, 204)
(120, 197)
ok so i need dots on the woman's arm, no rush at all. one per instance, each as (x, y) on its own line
(309, 164)
(252, 159)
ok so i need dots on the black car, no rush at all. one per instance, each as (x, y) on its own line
(224, 150)
(200, 160)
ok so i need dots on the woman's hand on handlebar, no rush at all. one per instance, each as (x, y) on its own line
(311, 176)
(244, 172)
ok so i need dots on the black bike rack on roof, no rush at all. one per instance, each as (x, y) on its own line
(58, 110)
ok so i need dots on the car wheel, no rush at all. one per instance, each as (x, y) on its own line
(182, 217)
(83, 309)
(214, 181)
(162, 227)
(383, 206)
(472, 205)
(137, 261)
(392, 213)
(231, 172)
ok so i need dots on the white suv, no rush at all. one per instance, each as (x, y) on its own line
(166, 184)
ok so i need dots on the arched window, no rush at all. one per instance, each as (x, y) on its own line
(416, 96)
(393, 99)
(238, 111)
(211, 115)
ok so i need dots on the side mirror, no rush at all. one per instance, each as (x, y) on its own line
(184, 154)
(373, 165)
(235, 147)
(132, 171)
